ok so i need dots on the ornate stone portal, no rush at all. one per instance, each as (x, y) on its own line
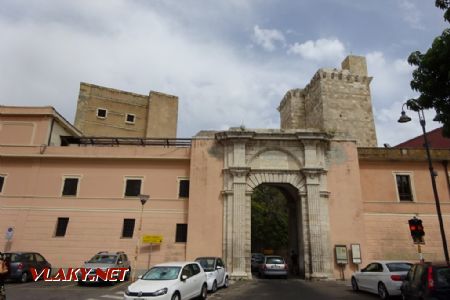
(286, 157)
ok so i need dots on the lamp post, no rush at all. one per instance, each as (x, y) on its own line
(143, 199)
(413, 105)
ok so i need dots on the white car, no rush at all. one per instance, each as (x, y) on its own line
(171, 281)
(215, 271)
(381, 277)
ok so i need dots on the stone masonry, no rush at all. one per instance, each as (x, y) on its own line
(335, 101)
(153, 116)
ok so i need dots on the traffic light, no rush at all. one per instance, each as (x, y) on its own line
(416, 228)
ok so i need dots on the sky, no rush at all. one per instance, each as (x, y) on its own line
(230, 62)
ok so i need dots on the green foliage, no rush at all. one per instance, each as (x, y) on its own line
(432, 76)
(269, 219)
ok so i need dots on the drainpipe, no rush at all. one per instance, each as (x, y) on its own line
(445, 164)
(51, 131)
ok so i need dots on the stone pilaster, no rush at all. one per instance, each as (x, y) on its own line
(239, 222)
(318, 233)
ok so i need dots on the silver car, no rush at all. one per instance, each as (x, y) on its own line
(273, 265)
(104, 260)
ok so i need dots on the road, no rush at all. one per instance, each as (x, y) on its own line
(257, 289)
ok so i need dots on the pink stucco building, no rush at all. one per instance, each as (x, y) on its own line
(69, 196)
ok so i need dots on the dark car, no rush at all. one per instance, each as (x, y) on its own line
(257, 259)
(427, 281)
(21, 262)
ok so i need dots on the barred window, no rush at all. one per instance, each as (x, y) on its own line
(404, 187)
(181, 233)
(128, 228)
(133, 187)
(70, 187)
(61, 226)
(183, 190)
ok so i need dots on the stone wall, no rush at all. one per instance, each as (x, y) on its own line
(337, 101)
(154, 115)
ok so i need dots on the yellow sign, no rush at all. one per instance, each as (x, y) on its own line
(152, 239)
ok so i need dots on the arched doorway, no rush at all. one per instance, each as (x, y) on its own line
(276, 225)
(292, 161)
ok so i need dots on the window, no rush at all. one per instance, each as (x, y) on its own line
(70, 187)
(102, 113)
(128, 228)
(61, 226)
(183, 190)
(181, 234)
(39, 258)
(130, 118)
(133, 187)
(404, 187)
(2, 181)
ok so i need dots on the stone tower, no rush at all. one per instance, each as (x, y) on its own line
(335, 101)
(109, 112)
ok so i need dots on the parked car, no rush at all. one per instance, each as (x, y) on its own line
(172, 281)
(381, 277)
(104, 260)
(216, 275)
(273, 265)
(427, 281)
(257, 259)
(21, 262)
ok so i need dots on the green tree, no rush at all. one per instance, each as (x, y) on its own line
(432, 76)
(269, 219)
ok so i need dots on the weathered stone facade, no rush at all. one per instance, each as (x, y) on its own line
(335, 101)
(153, 116)
(292, 160)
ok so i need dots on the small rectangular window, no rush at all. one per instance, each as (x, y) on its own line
(128, 228)
(130, 118)
(404, 187)
(61, 226)
(181, 233)
(183, 188)
(133, 187)
(2, 181)
(70, 187)
(102, 113)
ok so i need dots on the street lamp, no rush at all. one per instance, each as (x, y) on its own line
(143, 199)
(413, 105)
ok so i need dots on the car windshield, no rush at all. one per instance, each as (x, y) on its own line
(443, 277)
(206, 263)
(162, 273)
(103, 259)
(274, 260)
(398, 267)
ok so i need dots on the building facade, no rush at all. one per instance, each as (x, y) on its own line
(69, 194)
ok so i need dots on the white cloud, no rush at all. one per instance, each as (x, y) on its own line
(319, 50)
(411, 14)
(267, 38)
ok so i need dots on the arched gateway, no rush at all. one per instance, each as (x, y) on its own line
(294, 158)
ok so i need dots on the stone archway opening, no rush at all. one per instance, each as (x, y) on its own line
(276, 224)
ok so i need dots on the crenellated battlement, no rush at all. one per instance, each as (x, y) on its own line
(336, 101)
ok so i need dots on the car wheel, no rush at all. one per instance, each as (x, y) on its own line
(204, 292)
(382, 291)
(214, 287)
(226, 283)
(24, 277)
(175, 296)
(80, 283)
(355, 286)
(127, 276)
